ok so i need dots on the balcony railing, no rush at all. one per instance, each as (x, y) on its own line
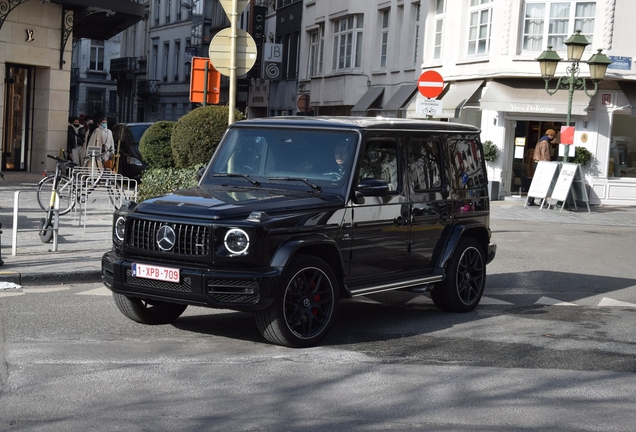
(123, 65)
(147, 87)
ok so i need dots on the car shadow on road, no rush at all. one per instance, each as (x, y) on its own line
(398, 314)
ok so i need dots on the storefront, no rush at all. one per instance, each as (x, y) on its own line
(35, 63)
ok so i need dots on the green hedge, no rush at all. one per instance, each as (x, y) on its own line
(155, 145)
(161, 181)
(196, 134)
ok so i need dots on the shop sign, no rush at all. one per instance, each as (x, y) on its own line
(619, 62)
(532, 108)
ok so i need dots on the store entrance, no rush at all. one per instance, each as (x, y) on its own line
(15, 140)
(527, 134)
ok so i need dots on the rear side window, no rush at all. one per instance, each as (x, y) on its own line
(425, 165)
(467, 166)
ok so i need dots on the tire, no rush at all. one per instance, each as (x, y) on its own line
(305, 306)
(46, 232)
(65, 193)
(465, 279)
(146, 311)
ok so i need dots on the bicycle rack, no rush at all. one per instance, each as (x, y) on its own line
(15, 230)
(119, 188)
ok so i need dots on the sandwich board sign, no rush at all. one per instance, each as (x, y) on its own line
(570, 180)
(543, 181)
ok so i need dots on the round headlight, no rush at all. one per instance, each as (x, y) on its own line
(120, 229)
(236, 241)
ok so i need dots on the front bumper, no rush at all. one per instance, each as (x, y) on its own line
(217, 288)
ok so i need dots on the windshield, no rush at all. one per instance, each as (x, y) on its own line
(295, 157)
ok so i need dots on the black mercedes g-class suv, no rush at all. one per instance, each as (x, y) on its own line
(292, 214)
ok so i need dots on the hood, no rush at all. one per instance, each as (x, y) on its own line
(226, 203)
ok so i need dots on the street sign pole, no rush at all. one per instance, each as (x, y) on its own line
(233, 24)
(205, 85)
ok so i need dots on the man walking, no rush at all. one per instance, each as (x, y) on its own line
(542, 153)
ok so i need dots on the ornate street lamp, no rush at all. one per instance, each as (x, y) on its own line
(548, 61)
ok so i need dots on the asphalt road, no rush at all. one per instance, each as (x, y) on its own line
(551, 347)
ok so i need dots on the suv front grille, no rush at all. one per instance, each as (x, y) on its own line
(190, 239)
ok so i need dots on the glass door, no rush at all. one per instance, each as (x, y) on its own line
(16, 120)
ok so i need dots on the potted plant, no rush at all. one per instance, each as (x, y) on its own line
(490, 155)
(490, 151)
(582, 155)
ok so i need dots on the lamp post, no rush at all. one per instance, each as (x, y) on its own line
(549, 59)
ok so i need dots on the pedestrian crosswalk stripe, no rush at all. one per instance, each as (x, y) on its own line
(420, 300)
(45, 289)
(103, 291)
(553, 302)
(492, 301)
(11, 293)
(611, 302)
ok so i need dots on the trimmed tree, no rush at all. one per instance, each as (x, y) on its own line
(196, 134)
(155, 145)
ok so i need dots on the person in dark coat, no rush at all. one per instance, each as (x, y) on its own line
(75, 139)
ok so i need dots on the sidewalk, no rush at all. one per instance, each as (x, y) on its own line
(81, 242)
(80, 248)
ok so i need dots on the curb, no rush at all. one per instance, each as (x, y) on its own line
(86, 276)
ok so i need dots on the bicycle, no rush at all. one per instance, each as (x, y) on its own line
(78, 184)
(61, 199)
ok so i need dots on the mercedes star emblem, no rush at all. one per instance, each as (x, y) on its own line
(166, 238)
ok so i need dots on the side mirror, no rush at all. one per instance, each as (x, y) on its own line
(200, 173)
(372, 187)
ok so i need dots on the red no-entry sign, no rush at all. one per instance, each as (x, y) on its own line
(430, 84)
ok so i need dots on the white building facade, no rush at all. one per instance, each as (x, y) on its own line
(486, 51)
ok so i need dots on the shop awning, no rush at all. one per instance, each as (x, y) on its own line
(458, 94)
(102, 19)
(629, 89)
(401, 97)
(530, 97)
(369, 99)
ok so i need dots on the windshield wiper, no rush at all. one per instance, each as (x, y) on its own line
(304, 180)
(245, 176)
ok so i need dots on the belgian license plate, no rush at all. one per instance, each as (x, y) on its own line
(146, 271)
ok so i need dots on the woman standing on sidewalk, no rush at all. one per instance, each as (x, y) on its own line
(103, 138)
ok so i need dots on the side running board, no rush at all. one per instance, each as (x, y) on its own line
(413, 283)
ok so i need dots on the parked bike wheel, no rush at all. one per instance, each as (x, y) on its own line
(65, 193)
(46, 231)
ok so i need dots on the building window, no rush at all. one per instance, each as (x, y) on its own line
(440, 11)
(177, 59)
(168, 10)
(95, 102)
(551, 23)
(155, 61)
(416, 34)
(479, 29)
(112, 101)
(166, 58)
(384, 36)
(347, 42)
(157, 11)
(97, 55)
(188, 58)
(316, 46)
